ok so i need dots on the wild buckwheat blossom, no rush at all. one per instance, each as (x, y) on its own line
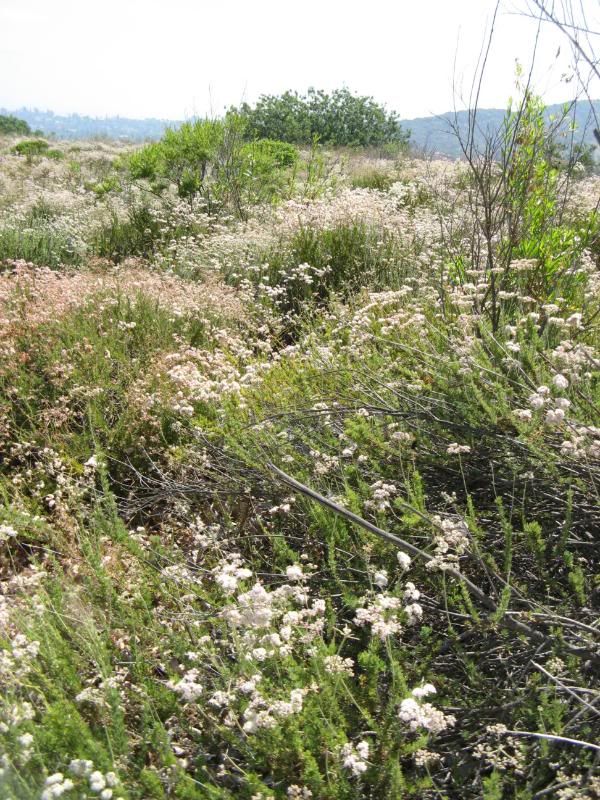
(294, 573)
(451, 540)
(416, 714)
(260, 713)
(272, 623)
(56, 785)
(230, 572)
(336, 665)
(381, 494)
(457, 449)
(17, 662)
(384, 613)
(295, 792)
(404, 560)
(380, 578)
(188, 688)
(7, 532)
(355, 757)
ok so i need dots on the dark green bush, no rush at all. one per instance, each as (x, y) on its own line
(32, 147)
(339, 118)
(13, 126)
(138, 235)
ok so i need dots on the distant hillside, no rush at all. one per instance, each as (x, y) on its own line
(434, 135)
(76, 126)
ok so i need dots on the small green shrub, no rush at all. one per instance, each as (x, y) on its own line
(316, 263)
(209, 159)
(138, 235)
(38, 246)
(107, 186)
(32, 147)
(182, 157)
(279, 154)
(378, 179)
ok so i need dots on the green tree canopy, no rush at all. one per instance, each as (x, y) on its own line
(13, 126)
(339, 118)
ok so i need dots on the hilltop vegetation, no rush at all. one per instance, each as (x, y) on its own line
(12, 126)
(299, 469)
(432, 134)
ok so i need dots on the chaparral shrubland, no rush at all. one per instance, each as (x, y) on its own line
(299, 473)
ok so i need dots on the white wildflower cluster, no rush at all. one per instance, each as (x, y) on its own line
(381, 495)
(502, 752)
(260, 713)
(425, 758)
(14, 715)
(523, 264)
(99, 783)
(380, 578)
(386, 614)
(355, 757)
(382, 613)
(273, 622)
(181, 574)
(205, 376)
(25, 740)
(230, 572)
(295, 792)
(336, 665)
(221, 699)
(188, 687)
(402, 437)
(576, 786)
(451, 540)
(539, 398)
(404, 560)
(7, 532)
(412, 609)
(416, 714)
(293, 281)
(575, 361)
(56, 785)
(284, 507)
(18, 661)
(294, 572)
(542, 399)
(92, 695)
(84, 778)
(583, 442)
(323, 463)
(457, 449)
(98, 687)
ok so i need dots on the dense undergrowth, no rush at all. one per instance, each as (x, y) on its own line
(180, 620)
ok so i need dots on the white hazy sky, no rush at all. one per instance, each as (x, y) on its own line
(175, 58)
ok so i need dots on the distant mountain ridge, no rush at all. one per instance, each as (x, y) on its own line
(431, 134)
(78, 126)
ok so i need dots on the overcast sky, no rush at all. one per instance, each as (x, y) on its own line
(175, 58)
